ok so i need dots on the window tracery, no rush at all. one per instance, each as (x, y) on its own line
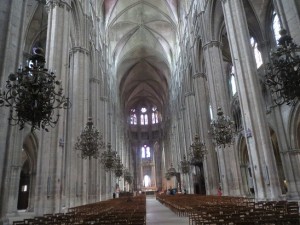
(146, 152)
(276, 26)
(232, 81)
(257, 54)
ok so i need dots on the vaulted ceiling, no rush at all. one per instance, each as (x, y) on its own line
(142, 39)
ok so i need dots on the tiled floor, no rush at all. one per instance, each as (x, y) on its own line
(158, 214)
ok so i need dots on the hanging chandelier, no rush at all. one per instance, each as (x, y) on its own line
(90, 141)
(197, 151)
(109, 158)
(171, 171)
(118, 167)
(33, 94)
(222, 130)
(127, 176)
(283, 73)
(185, 165)
(167, 176)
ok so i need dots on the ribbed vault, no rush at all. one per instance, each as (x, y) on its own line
(142, 39)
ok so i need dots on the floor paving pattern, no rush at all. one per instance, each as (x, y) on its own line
(158, 214)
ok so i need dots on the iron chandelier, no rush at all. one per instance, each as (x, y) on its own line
(33, 94)
(222, 130)
(127, 176)
(90, 141)
(109, 158)
(197, 151)
(167, 176)
(185, 165)
(172, 171)
(283, 72)
(118, 167)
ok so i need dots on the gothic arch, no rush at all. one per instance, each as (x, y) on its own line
(236, 114)
(216, 19)
(79, 25)
(245, 167)
(27, 182)
(36, 31)
(268, 31)
(254, 24)
(279, 163)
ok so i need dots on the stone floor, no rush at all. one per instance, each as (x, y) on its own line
(158, 214)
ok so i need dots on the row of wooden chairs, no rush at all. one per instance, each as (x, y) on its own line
(121, 211)
(225, 210)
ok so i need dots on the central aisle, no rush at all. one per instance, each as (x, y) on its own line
(158, 214)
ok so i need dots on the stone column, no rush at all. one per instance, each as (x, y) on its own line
(77, 168)
(11, 33)
(266, 182)
(210, 163)
(289, 15)
(218, 89)
(96, 112)
(50, 162)
(14, 164)
(102, 117)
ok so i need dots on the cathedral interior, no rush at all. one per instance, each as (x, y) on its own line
(182, 96)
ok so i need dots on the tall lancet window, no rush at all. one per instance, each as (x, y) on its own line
(211, 115)
(154, 115)
(146, 152)
(144, 116)
(257, 54)
(232, 81)
(133, 118)
(276, 26)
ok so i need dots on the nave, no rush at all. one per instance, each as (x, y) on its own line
(157, 213)
(176, 209)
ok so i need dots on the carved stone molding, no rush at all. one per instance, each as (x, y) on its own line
(79, 49)
(189, 93)
(213, 44)
(291, 151)
(95, 80)
(199, 74)
(104, 99)
(60, 3)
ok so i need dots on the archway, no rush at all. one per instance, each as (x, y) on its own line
(246, 170)
(24, 185)
(28, 174)
(199, 181)
(279, 164)
(147, 181)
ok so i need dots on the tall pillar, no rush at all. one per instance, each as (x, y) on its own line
(210, 163)
(266, 181)
(229, 175)
(14, 170)
(11, 33)
(50, 162)
(102, 117)
(289, 15)
(77, 168)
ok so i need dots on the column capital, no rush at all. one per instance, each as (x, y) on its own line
(212, 43)
(199, 74)
(223, 1)
(79, 49)
(95, 80)
(189, 93)
(291, 151)
(60, 3)
(104, 99)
